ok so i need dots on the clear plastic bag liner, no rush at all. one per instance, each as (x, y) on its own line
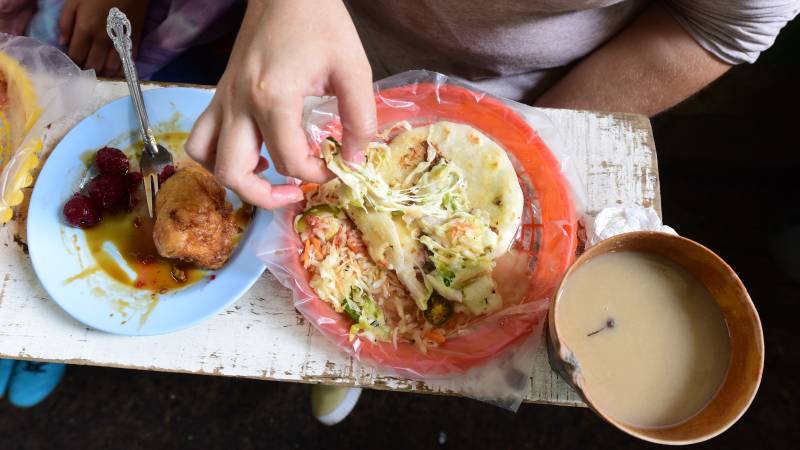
(43, 85)
(492, 359)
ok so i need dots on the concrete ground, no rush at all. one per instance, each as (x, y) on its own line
(729, 163)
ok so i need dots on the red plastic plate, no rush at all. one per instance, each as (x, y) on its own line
(547, 243)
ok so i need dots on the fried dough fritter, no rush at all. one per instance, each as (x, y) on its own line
(194, 222)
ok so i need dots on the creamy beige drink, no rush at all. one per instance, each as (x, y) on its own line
(650, 341)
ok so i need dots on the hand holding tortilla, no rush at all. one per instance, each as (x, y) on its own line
(441, 195)
(260, 97)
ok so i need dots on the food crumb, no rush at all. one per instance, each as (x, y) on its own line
(178, 274)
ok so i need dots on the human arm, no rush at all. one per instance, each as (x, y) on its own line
(286, 50)
(665, 55)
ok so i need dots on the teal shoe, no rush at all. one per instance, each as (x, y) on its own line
(32, 382)
(6, 367)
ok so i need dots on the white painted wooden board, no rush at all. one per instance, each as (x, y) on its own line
(261, 336)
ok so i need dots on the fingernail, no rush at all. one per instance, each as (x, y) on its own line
(358, 158)
(296, 196)
(293, 196)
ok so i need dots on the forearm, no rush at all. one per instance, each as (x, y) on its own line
(650, 66)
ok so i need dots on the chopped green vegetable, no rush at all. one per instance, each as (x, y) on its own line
(351, 312)
(324, 210)
(365, 313)
(439, 311)
(447, 277)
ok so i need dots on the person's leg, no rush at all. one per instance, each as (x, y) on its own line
(31, 382)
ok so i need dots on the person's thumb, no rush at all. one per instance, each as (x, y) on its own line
(357, 110)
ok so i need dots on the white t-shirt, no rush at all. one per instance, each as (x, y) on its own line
(517, 49)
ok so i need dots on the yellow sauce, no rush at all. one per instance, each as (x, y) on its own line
(243, 216)
(87, 157)
(171, 140)
(82, 274)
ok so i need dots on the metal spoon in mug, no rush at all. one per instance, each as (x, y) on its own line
(154, 157)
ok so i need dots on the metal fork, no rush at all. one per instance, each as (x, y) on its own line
(154, 157)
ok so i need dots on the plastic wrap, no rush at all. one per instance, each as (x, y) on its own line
(492, 359)
(41, 84)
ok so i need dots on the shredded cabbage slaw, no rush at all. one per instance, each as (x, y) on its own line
(432, 201)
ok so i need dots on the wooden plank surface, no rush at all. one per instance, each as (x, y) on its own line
(261, 336)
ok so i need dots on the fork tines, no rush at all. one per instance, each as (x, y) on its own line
(150, 190)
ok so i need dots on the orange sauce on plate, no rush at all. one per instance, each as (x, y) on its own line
(132, 236)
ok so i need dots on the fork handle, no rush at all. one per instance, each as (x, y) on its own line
(118, 28)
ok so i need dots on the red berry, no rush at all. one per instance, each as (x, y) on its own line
(81, 212)
(134, 180)
(111, 161)
(166, 172)
(109, 192)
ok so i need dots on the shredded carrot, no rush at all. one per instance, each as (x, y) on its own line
(308, 187)
(317, 246)
(304, 257)
(458, 229)
(354, 246)
(435, 337)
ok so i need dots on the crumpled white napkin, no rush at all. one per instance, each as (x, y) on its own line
(622, 219)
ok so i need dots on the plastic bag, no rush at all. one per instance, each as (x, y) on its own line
(39, 85)
(492, 359)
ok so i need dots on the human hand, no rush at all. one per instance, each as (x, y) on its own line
(15, 15)
(286, 50)
(83, 31)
